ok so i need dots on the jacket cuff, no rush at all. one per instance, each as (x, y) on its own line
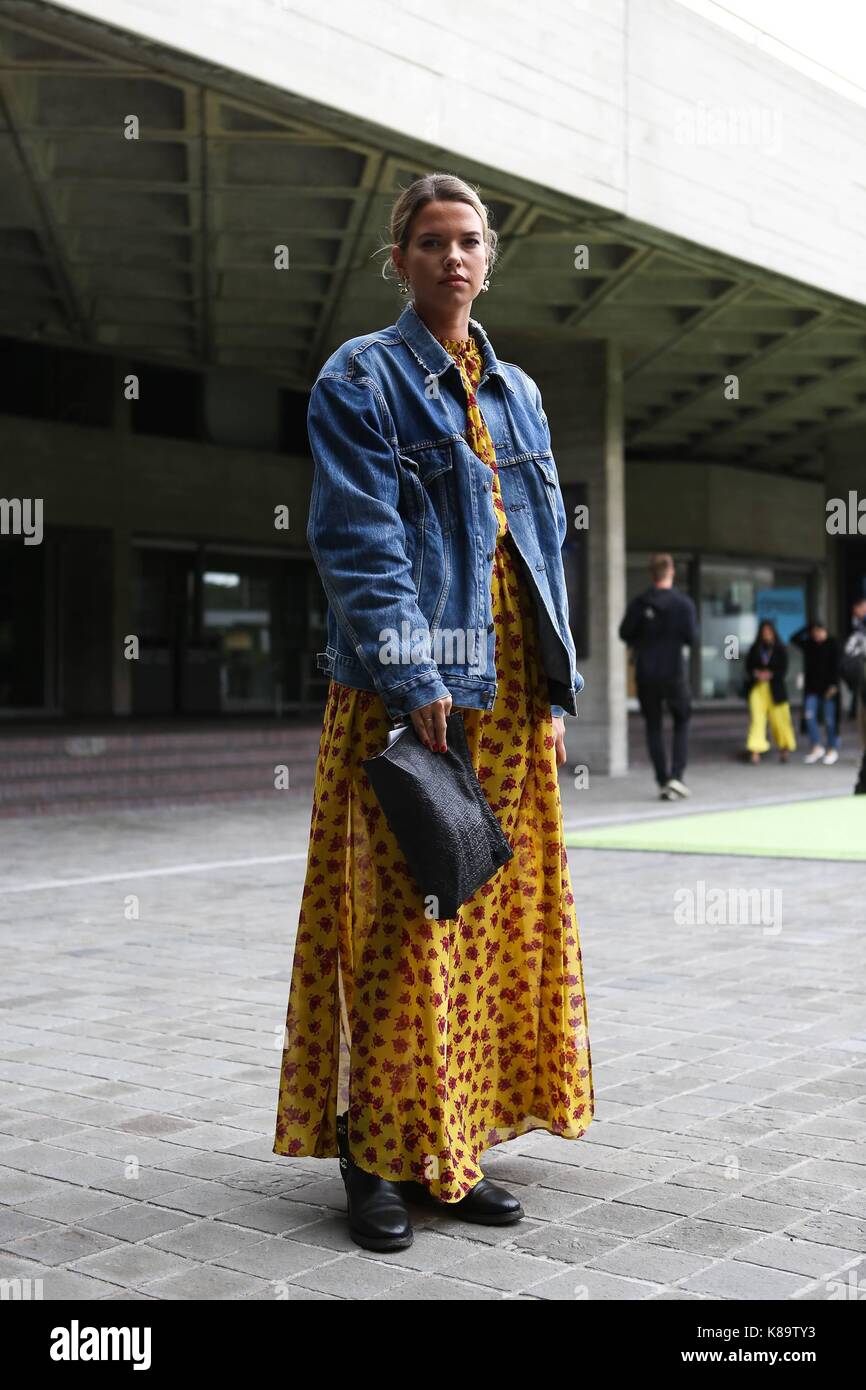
(557, 711)
(401, 700)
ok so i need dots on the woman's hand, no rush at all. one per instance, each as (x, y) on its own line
(429, 723)
(559, 735)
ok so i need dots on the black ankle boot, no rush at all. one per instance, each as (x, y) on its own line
(487, 1204)
(378, 1216)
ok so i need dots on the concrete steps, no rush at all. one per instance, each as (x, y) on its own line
(92, 765)
(88, 768)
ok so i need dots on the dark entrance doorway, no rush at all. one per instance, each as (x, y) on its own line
(222, 629)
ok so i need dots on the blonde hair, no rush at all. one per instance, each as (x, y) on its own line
(660, 566)
(431, 188)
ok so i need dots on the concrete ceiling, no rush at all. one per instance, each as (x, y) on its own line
(163, 247)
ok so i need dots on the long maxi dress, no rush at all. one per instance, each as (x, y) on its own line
(441, 1038)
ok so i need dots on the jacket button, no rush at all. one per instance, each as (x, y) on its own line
(490, 627)
(490, 554)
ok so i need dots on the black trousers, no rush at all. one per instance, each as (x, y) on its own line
(654, 697)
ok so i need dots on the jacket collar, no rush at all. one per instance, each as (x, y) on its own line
(434, 357)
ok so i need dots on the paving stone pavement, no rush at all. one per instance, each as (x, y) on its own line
(146, 957)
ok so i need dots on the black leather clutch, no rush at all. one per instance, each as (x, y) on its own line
(440, 817)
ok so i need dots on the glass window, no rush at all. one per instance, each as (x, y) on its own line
(237, 614)
(734, 597)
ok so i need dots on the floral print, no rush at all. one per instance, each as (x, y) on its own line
(441, 1038)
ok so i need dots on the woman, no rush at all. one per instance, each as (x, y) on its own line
(435, 1039)
(766, 666)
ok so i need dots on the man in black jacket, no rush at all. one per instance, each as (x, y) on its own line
(657, 625)
(853, 664)
(849, 660)
(821, 658)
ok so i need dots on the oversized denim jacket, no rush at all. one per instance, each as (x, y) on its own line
(402, 525)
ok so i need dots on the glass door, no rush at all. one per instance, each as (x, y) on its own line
(162, 609)
(735, 597)
(255, 627)
(28, 598)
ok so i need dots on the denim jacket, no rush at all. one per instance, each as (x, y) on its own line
(402, 525)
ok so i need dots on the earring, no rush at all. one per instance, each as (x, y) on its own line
(485, 286)
(404, 285)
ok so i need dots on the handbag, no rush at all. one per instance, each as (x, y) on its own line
(436, 808)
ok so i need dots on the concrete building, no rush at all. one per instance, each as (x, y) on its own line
(683, 271)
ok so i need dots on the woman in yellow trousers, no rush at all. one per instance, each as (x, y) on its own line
(766, 667)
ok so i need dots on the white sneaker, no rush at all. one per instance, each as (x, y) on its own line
(816, 755)
(831, 758)
(679, 788)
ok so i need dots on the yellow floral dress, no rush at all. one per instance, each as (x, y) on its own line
(441, 1038)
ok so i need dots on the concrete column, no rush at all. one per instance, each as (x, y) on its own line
(121, 669)
(581, 385)
(121, 567)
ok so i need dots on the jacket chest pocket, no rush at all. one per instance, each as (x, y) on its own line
(542, 465)
(537, 476)
(432, 468)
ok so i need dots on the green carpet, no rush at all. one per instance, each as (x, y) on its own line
(826, 828)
